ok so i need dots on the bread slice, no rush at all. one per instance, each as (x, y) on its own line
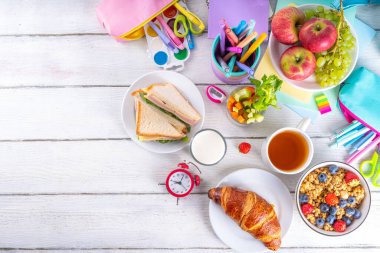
(170, 99)
(152, 124)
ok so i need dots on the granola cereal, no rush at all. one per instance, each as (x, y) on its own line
(330, 198)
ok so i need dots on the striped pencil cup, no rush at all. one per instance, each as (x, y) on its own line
(235, 77)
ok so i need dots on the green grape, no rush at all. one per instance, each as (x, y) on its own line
(320, 62)
(328, 16)
(324, 53)
(333, 75)
(320, 8)
(337, 62)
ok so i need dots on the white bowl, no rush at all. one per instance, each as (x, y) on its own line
(364, 207)
(187, 89)
(310, 84)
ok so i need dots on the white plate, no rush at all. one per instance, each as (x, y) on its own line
(310, 84)
(267, 186)
(187, 89)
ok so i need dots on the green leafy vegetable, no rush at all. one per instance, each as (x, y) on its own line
(265, 93)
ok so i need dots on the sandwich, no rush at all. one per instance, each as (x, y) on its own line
(160, 121)
(170, 99)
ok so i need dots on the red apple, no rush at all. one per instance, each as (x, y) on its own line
(297, 63)
(284, 24)
(318, 35)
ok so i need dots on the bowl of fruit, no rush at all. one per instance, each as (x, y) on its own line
(247, 104)
(313, 47)
(333, 198)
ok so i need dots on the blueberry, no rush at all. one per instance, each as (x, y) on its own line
(330, 219)
(333, 169)
(322, 177)
(350, 211)
(342, 203)
(357, 214)
(320, 222)
(351, 200)
(333, 210)
(324, 208)
(304, 198)
(347, 220)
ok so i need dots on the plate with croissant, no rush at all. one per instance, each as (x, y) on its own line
(251, 210)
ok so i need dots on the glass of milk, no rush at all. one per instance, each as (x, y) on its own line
(208, 147)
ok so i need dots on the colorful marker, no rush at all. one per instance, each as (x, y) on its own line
(245, 68)
(223, 64)
(163, 37)
(175, 40)
(241, 44)
(253, 47)
(241, 27)
(234, 49)
(360, 153)
(231, 36)
(222, 39)
(190, 40)
(231, 65)
(363, 142)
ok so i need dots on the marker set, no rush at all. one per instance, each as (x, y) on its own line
(359, 138)
(165, 48)
(236, 51)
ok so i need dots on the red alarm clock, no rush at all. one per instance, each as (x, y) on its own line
(180, 182)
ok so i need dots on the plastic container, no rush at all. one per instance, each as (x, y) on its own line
(236, 77)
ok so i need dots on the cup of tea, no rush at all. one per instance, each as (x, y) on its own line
(288, 150)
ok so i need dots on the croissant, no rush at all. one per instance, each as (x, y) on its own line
(253, 213)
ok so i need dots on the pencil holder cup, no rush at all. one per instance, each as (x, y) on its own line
(235, 77)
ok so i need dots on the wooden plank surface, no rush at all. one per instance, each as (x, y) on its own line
(94, 113)
(106, 167)
(140, 221)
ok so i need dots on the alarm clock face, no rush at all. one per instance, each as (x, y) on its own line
(179, 183)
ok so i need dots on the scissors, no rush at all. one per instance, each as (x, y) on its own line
(187, 19)
(371, 168)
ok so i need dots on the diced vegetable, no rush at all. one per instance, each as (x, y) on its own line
(239, 105)
(242, 94)
(234, 115)
(235, 109)
(241, 119)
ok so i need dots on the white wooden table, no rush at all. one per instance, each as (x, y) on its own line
(70, 177)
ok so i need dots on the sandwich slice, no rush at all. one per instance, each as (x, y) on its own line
(170, 99)
(152, 124)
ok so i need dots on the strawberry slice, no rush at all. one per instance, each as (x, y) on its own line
(350, 176)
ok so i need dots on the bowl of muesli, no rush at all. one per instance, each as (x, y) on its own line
(333, 198)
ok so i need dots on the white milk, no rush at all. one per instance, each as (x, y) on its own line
(208, 147)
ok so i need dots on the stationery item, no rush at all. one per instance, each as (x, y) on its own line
(253, 47)
(241, 27)
(223, 64)
(192, 19)
(158, 45)
(371, 168)
(231, 36)
(247, 30)
(322, 104)
(215, 94)
(304, 112)
(124, 20)
(245, 68)
(245, 42)
(231, 65)
(163, 37)
(174, 39)
(351, 142)
(354, 124)
(363, 142)
(181, 20)
(190, 40)
(234, 49)
(233, 11)
(352, 135)
(360, 153)
(222, 39)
